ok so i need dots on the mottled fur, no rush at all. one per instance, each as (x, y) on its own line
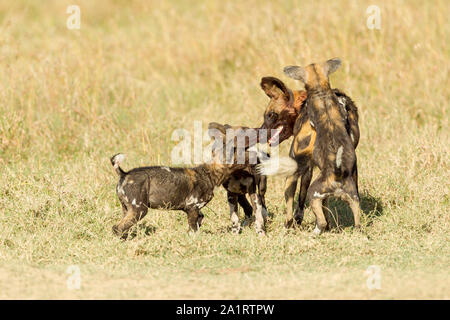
(334, 148)
(186, 189)
(287, 108)
(242, 182)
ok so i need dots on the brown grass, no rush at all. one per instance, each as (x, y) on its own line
(137, 70)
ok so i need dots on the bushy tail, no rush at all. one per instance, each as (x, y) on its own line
(283, 166)
(116, 160)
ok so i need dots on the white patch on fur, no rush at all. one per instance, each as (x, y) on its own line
(341, 101)
(118, 159)
(133, 202)
(311, 123)
(339, 156)
(319, 195)
(200, 205)
(317, 231)
(352, 137)
(166, 168)
(191, 200)
(283, 166)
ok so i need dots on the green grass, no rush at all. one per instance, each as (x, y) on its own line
(136, 71)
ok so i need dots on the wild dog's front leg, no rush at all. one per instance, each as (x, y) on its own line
(259, 216)
(262, 188)
(200, 219)
(304, 185)
(289, 193)
(193, 216)
(248, 210)
(233, 204)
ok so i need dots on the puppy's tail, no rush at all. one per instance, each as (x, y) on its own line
(283, 166)
(116, 160)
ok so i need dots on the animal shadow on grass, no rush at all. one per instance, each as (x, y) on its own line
(340, 216)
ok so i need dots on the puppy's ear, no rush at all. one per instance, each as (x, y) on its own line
(331, 65)
(274, 87)
(216, 129)
(295, 72)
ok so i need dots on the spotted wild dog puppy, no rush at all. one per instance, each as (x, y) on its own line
(333, 150)
(161, 187)
(286, 113)
(242, 182)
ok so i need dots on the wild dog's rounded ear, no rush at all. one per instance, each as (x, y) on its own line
(217, 126)
(295, 72)
(215, 129)
(332, 65)
(274, 87)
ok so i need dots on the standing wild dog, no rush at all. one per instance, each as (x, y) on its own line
(242, 182)
(333, 151)
(186, 189)
(287, 115)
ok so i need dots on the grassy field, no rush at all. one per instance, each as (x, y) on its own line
(137, 70)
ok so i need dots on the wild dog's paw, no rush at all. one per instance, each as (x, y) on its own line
(235, 228)
(246, 222)
(298, 216)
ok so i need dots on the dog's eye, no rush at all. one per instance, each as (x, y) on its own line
(271, 116)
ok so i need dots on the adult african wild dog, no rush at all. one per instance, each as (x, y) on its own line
(186, 189)
(244, 181)
(333, 152)
(286, 113)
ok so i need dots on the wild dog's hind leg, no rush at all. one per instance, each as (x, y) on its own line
(233, 204)
(355, 177)
(131, 217)
(289, 193)
(304, 185)
(248, 210)
(351, 197)
(317, 193)
(259, 217)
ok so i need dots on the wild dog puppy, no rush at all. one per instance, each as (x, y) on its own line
(160, 187)
(333, 152)
(242, 182)
(287, 114)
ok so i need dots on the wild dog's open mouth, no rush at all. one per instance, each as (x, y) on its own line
(275, 136)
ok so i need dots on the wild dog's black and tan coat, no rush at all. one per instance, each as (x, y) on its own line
(287, 110)
(161, 187)
(333, 149)
(242, 182)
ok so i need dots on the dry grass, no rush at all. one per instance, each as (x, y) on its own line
(136, 70)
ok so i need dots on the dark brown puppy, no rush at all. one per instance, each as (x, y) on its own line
(159, 187)
(287, 114)
(242, 182)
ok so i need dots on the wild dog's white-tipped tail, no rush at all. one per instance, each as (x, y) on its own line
(116, 160)
(283, 166)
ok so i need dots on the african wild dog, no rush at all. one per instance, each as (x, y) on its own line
(286, 113)
(244, 181)
(186, 189)
(333, 151)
